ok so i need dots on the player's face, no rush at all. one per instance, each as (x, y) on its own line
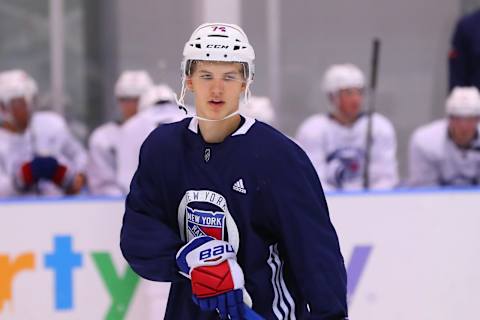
(128, 107)
(463, 129)
(217, 87)
(20, 113)
(349, 103)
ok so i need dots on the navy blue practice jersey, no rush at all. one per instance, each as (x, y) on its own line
(464, 56)
(257, 190)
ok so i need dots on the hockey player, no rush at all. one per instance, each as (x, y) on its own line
(38, 154)
(463, 63)
(227, 208)
(2, 105)
(446, 152)
(335, 142)
(157, 107)
(103, 160)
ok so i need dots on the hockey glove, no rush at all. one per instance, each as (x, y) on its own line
(217, 279)
(46, 168)
(344, 165)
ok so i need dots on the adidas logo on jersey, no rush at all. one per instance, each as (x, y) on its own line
(239, 187)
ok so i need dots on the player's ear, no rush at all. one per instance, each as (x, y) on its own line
(189, 84)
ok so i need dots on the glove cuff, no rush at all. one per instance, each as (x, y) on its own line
(23, 178)
(63, 177)
(59, 175)
(212, 281)
(26, 174)
(203, 251)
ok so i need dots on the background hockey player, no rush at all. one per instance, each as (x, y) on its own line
(38, 154)
(260, 108)
(224, 195)
(463, 62)
(103, 162)
(446, 152)
(336, 142)
(157, 106)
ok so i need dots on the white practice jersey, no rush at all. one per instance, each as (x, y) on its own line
(435, 160)
(102, 160)
(338, 151)
(134, 132)
(6, 181)
(47, 135)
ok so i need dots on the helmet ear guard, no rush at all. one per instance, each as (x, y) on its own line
(186, 68)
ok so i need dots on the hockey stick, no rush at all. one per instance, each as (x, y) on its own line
(33, 141)
(370, 111)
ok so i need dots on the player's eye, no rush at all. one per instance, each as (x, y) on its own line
(230, 77)
(206, 77)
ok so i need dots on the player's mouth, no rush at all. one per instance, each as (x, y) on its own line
(216, 103)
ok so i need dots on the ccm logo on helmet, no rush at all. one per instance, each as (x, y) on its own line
(215, 253)
(217, 46)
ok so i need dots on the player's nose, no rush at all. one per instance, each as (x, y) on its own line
(217, 87)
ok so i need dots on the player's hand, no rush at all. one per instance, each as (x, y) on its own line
(228, 305)
(78, 182)
(217, 279)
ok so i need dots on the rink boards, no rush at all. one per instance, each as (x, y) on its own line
(409, 255)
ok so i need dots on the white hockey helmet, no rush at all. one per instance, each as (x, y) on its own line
(463, 102)
(17, 84)
(156, 94)
(218, 42)
(260, 108)
(342, 76)
(132, 84)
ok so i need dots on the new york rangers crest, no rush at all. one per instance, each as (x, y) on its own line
(205, 223)
(205, 212)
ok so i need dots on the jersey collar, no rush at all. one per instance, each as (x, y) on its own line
(193, 126)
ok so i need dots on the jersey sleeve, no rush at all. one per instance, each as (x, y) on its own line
(306, 237)
(101, 167)
(459, 57)
(52, 136)
(131, 134)
(310, 137)
(421, 169)
(74, 151)
(7, 187)
(383, 165)
(149, 237)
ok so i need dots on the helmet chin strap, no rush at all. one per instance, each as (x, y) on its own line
(217, 120)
